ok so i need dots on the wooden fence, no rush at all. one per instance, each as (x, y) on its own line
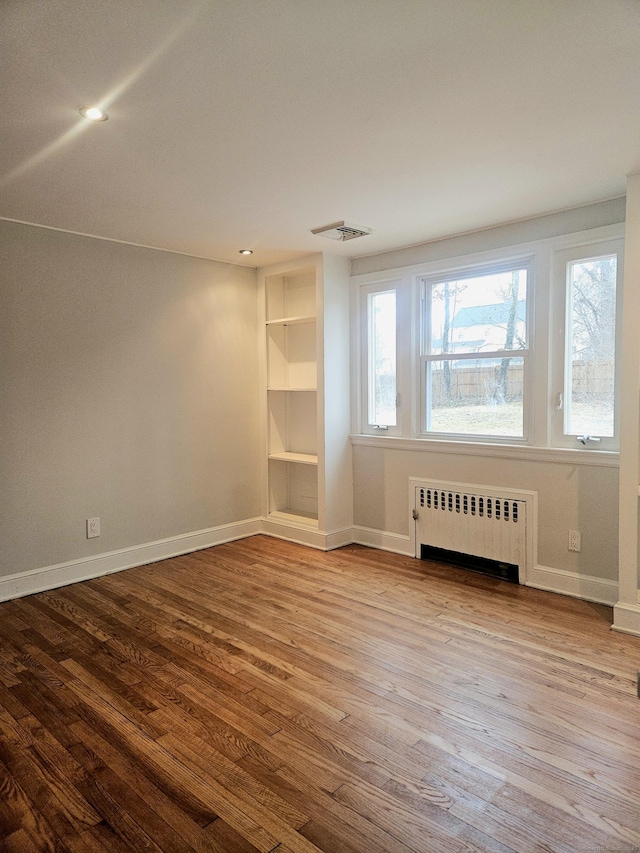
(482, 383)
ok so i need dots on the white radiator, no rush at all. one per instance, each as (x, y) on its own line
(472, 520)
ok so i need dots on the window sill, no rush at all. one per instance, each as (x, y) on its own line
(567, 456)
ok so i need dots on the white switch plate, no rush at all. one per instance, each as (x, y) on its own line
(93, 528)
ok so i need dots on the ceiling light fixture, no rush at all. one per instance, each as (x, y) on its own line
(93, 113)
(246, 251)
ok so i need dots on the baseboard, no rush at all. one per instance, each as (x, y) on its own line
(600, 590)
(301, 535)
(626, 618)
(50, 577)
(394, 542)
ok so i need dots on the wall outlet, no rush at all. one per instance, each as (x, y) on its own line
(93, 528)
(575, 540)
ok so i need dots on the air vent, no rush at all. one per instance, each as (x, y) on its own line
(341, 231)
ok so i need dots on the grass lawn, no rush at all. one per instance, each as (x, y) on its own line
(506, 419)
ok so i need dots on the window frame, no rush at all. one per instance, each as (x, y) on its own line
(365, 294)
(560, 355)
(545, 319)
(426, 283)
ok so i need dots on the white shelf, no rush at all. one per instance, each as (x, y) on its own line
(306, 463)
(294, 517)
(302, 458)
(291, 321)
(287, 388)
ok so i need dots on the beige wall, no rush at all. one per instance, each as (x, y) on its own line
(576, 497)
(129, 386)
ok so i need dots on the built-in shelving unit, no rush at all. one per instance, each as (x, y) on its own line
(292, 373)
(298, 473)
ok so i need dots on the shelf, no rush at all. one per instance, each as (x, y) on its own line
(291, 321)
(294, 517)
(306, 413)
(302, 458)
(293, 488)
(287, 388)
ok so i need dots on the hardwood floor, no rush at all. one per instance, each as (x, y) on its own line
(261, 696)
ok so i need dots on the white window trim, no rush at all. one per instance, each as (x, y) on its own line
(364, 292)
(469, 271)
(561, 258)
(542, 309)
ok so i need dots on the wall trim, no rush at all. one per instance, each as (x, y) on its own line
(50, 577)
(567, 456)
(573, 584)
(545, 578)
(374, 538)
(600, 590)
(626, 618)
(124, 242)
(301, 535)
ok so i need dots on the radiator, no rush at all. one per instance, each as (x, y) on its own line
(471, 520)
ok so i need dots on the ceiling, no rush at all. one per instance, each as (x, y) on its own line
(246, 123)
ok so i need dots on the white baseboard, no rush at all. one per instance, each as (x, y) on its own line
(384, 541)
(301, 535)
(626, 618)
(50, 577)
(600, 590)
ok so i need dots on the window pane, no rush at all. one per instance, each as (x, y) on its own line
(591, 333)
(476, 397)
(480, 314)
(382, 358)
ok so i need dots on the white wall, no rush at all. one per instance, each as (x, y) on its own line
(129, 391)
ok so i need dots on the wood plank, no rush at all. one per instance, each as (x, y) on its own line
(261, 696)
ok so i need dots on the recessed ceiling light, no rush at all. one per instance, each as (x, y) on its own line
(246, 251)
(94, 113)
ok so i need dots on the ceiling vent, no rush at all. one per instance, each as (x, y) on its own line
(341, 231)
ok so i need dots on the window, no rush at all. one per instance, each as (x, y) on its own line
(474, 353)
(519, 347)
(586, 400)
(382, 359)
(380, 374)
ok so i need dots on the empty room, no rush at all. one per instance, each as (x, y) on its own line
(320, 426)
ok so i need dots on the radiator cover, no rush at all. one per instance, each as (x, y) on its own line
(481, 522)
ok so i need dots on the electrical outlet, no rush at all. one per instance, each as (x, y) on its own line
(575, 540)
(93, 528)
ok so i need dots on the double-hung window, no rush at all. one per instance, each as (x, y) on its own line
(474, 362)
(458, 353)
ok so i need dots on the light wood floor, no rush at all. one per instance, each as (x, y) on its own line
(264, 696)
